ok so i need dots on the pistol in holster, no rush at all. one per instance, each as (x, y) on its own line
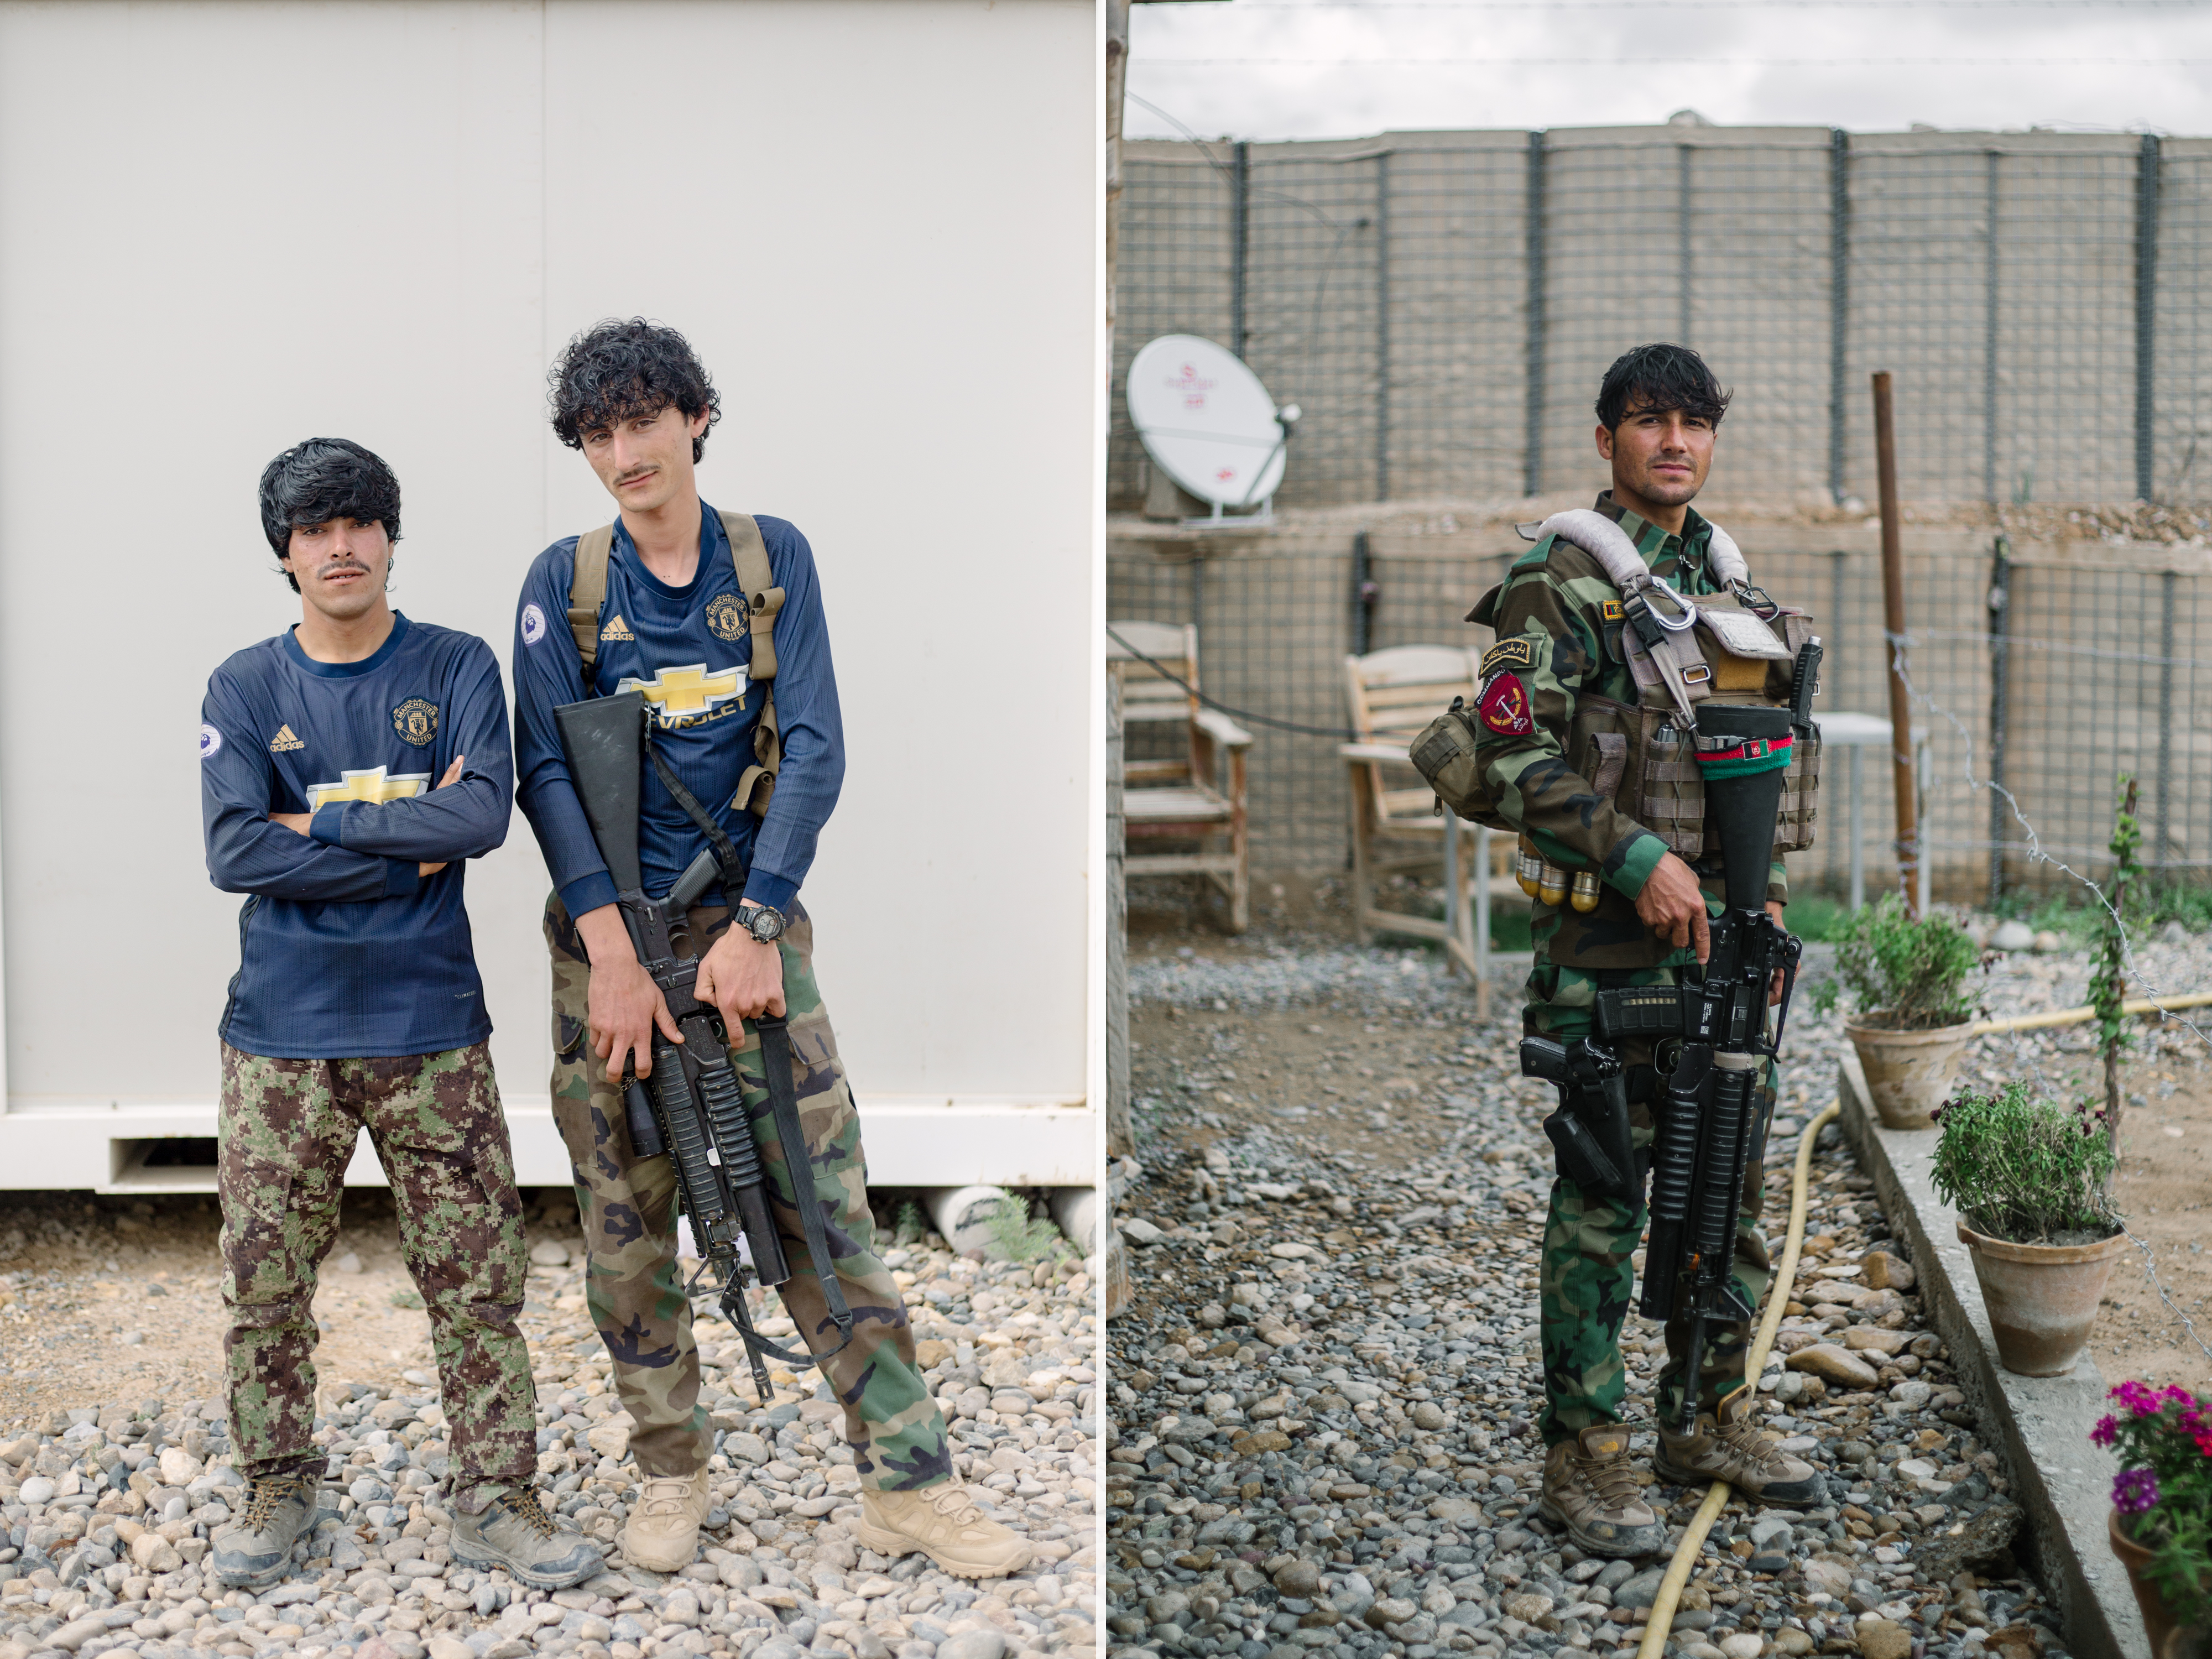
(1590, 1132)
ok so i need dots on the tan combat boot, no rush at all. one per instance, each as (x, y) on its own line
(662, 1533)
(943, 1522)
(1590, 1490)
(1727, 1447)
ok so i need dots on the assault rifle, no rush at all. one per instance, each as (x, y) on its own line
(1711, 1033)
(692, 1106)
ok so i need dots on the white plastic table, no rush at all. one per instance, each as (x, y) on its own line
(1856, 732)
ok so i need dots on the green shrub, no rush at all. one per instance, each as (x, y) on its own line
(1817, 918)
(1903, 974)
(1021, 1235)
(2022, 1168)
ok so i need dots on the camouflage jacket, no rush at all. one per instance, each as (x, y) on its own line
(1550, 619)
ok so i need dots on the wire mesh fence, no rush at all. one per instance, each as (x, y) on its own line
(2105, 668)
(1442, 305)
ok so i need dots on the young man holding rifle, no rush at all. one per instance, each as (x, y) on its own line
(715, 619)
(1561, 693)
(357, 1004)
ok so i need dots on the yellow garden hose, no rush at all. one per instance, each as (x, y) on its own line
(2080, 1016)
(1754, 1362)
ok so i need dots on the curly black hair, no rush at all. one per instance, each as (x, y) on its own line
(1660, 377)
(322, 479)
(619, 368)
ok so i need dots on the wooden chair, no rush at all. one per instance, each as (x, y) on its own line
(1392, 695)
(1182, 798)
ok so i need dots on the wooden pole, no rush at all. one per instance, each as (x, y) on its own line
(1892, 606)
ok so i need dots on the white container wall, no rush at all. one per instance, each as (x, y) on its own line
(226, 227)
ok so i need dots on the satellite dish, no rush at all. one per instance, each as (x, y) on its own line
(1209, 424)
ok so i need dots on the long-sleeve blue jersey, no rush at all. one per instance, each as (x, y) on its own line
(345, 952)
(688, 649)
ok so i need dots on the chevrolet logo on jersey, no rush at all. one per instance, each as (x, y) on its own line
(682, 694)
(372, 785)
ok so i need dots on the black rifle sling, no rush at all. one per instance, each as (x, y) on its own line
(725, 850)
(783, 1108)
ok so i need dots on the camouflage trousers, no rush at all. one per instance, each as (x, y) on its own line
(628, 1207)
(1588, 1277)
(286, 1132)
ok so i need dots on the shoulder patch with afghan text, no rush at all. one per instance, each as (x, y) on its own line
(1504, 706)
(1519, 651)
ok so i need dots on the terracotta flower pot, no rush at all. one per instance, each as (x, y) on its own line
(2041, 1299)
(1908, 1073)
(2157, 1617)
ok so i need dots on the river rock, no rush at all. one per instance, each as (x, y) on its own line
(1827, 1577)
(1300, 1577)
(1881, 1638)
(1869, 1339)
(610, 1436)
(1886, 1272)
(1834, 1364)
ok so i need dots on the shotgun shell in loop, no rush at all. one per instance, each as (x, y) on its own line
(1528, 868)
(1552, 888)
(1584, 893)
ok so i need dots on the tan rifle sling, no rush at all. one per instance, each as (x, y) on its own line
(588, 595)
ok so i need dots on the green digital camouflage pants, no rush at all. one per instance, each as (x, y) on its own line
(1588, 1280)
(285, 1134)
(629, 1210)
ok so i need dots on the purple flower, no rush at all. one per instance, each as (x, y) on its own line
(2139, 1400)
(2106, 1433)
(2135, 1491)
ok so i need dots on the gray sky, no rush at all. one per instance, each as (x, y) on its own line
(1294, 69)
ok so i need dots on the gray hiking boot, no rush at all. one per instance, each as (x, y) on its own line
(1590, 1490)
(514, 1532)
(253, 1550)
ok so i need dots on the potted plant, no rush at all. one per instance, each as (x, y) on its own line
(1907, 981)
(2029, 1179)
(2161, 1521)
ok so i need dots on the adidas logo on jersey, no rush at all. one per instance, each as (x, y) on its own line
(617, 628)
(284, 740)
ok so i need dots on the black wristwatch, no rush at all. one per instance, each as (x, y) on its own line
(765, 922)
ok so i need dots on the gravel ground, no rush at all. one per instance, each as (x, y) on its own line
(105, 1507)
(1323, 1389)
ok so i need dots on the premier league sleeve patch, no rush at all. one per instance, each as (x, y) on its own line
(210, 741)
(1504, 706)
(533, 624)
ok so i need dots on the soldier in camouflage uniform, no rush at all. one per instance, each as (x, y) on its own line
(1557, 620)
(669, 614)
(317, 750)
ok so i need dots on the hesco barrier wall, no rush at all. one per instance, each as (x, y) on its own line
(1443, 304)
(2107, 666)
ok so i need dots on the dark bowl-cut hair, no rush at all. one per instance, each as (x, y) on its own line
(621, 368)
(322, 479)
(1660, 377)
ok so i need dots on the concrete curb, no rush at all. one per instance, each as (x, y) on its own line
(2041, 1424)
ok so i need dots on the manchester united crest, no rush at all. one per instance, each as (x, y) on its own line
(727, 615)
(415, 720)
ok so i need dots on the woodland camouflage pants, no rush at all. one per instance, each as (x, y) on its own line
(628, 1211)
(1587, 1280)
(286, 1134)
